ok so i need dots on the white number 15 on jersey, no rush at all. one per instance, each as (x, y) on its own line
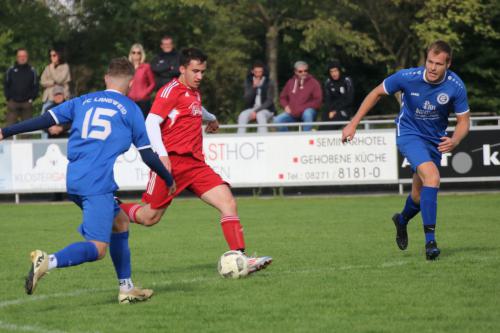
(97, 120)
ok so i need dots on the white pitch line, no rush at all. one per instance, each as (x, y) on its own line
(26, 328)
(36, 298)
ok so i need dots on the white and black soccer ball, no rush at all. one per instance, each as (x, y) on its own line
(233, 264)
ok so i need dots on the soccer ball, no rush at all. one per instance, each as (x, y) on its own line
(233, 264)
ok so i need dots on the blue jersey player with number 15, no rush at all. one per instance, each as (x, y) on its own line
(428, 95)
(104, 125)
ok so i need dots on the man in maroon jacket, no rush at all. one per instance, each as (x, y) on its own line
(300, 98)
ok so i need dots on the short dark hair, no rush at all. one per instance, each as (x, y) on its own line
(191, 53)
(439, 46)
(167, 37)
(120, 67)
(258, 64)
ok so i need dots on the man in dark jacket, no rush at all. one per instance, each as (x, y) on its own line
(20, 89)
(339, 97)
(259, 95)
(165, 65)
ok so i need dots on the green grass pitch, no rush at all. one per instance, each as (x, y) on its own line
(336, 269)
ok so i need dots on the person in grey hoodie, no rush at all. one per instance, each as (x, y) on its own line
(301, 98)
(259, 95)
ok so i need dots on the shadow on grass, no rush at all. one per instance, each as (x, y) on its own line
(181, 269)
(467, 250)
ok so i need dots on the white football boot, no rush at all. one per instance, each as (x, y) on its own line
(256, 264)
(39, 266)
(134, 295)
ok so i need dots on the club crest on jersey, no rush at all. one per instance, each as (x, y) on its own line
(443, 98)
(195, 108)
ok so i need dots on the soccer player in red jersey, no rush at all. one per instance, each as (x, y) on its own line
(174, 127)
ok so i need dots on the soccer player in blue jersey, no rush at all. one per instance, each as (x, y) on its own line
(104, 125)
(429, 94)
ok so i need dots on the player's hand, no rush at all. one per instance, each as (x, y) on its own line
(348, 132)
(212, 126)
(447, 144)
(1, 135)
(331, 114)
(55, 130)
(172, 189)
(166, 162)
(288, 110)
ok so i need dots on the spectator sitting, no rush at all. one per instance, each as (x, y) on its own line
(165, 65)
(300, 98)
(339, 97)
(143, 82)
(57, 131)
(20, 89)
(258, 96)
(55, 74)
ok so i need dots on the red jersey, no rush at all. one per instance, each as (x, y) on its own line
(180, 107)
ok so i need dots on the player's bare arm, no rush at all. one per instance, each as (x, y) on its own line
(1, 135)
(368, 103)
(461, 130)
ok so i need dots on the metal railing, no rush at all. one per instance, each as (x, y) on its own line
(364, 124)
(481, 121)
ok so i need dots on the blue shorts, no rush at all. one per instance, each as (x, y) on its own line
(99, 212)
(418, 150)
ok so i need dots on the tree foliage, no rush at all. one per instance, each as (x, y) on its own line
(371, 38)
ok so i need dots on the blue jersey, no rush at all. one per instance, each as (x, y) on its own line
(425, 106)
(104, 124)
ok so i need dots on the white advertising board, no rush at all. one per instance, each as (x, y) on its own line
(303, 159)
(277, 159)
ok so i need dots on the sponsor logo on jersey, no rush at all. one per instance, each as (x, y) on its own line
(195, 108)
(443, 98)
(414, 94)
(429, 106)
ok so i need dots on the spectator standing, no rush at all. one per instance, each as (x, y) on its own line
(301, 98)
(338, 91)
(165, 65)
(258, 96)
(20, 88)
(143, 82)
(56, 73)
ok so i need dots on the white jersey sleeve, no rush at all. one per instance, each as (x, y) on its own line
(153, 122)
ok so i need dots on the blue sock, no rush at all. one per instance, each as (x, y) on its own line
(409, 211)
(76, 254)
(120, 254)
(428, 206)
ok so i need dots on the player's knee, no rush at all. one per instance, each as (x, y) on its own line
(230, 206)
(101, 254)
(432, 180)
(101, 250)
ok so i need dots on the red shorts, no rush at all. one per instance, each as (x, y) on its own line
(189, 173)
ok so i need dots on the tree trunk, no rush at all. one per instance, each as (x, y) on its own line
(272, 56)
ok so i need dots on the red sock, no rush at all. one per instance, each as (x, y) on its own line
(131, 210)
(233, 232)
